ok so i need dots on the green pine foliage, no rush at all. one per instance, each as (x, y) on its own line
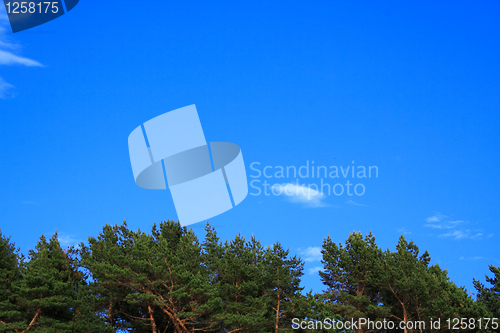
(364, 282)
(352, 276)
(48, 290)
(150, 283)
(404, 282)
(447, 300)
(241, 285)
(317, 308)
(258, 287)
(282, 276)
(166, 281)
(490, 296)
(11, 317)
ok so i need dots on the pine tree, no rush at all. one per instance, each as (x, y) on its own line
(490, 297)
(405, 282)
(102, 260)
(352, 274)
(447, 300)
(49, 287)
(282, 275)
(241, 286)
(150, 282)
(316, 308)
(259, 288)
(417, 292)
(10, 272)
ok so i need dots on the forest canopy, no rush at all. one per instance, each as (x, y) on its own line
(167, 281)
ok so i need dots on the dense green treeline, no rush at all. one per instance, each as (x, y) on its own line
(167, 281)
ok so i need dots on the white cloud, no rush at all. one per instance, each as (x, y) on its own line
(472, 258)
(5, 89)
(443, 222)
(311, 254)
(462, 234)
(7, 57)
(67, 240)
(436, 218)
(308, 196)
(4, 40)
(440, 221)
(404, 231)
(315, 270)
(352, 202)
(6, 44)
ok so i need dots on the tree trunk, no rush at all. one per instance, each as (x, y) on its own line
(110, 313)
(405, 317)
(277, 307)
(152, 319)
(38, 312)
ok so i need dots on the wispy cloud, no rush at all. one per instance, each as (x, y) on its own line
(462, 234)
(315, 270)
(404, 231)
(436, 218)
(8, 57)
(4, 43)
(305, 195)
(311, 253)
(456, 228)
(445, 224)
(440, 221)
(67, 239)
(6, 89)
(472, 258)
(354, 203)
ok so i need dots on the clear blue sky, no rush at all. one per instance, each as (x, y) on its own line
(412, 88)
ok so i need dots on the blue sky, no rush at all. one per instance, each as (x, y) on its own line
(412, 88)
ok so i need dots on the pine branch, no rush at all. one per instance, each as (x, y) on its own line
(4, 323)
(33, 320)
